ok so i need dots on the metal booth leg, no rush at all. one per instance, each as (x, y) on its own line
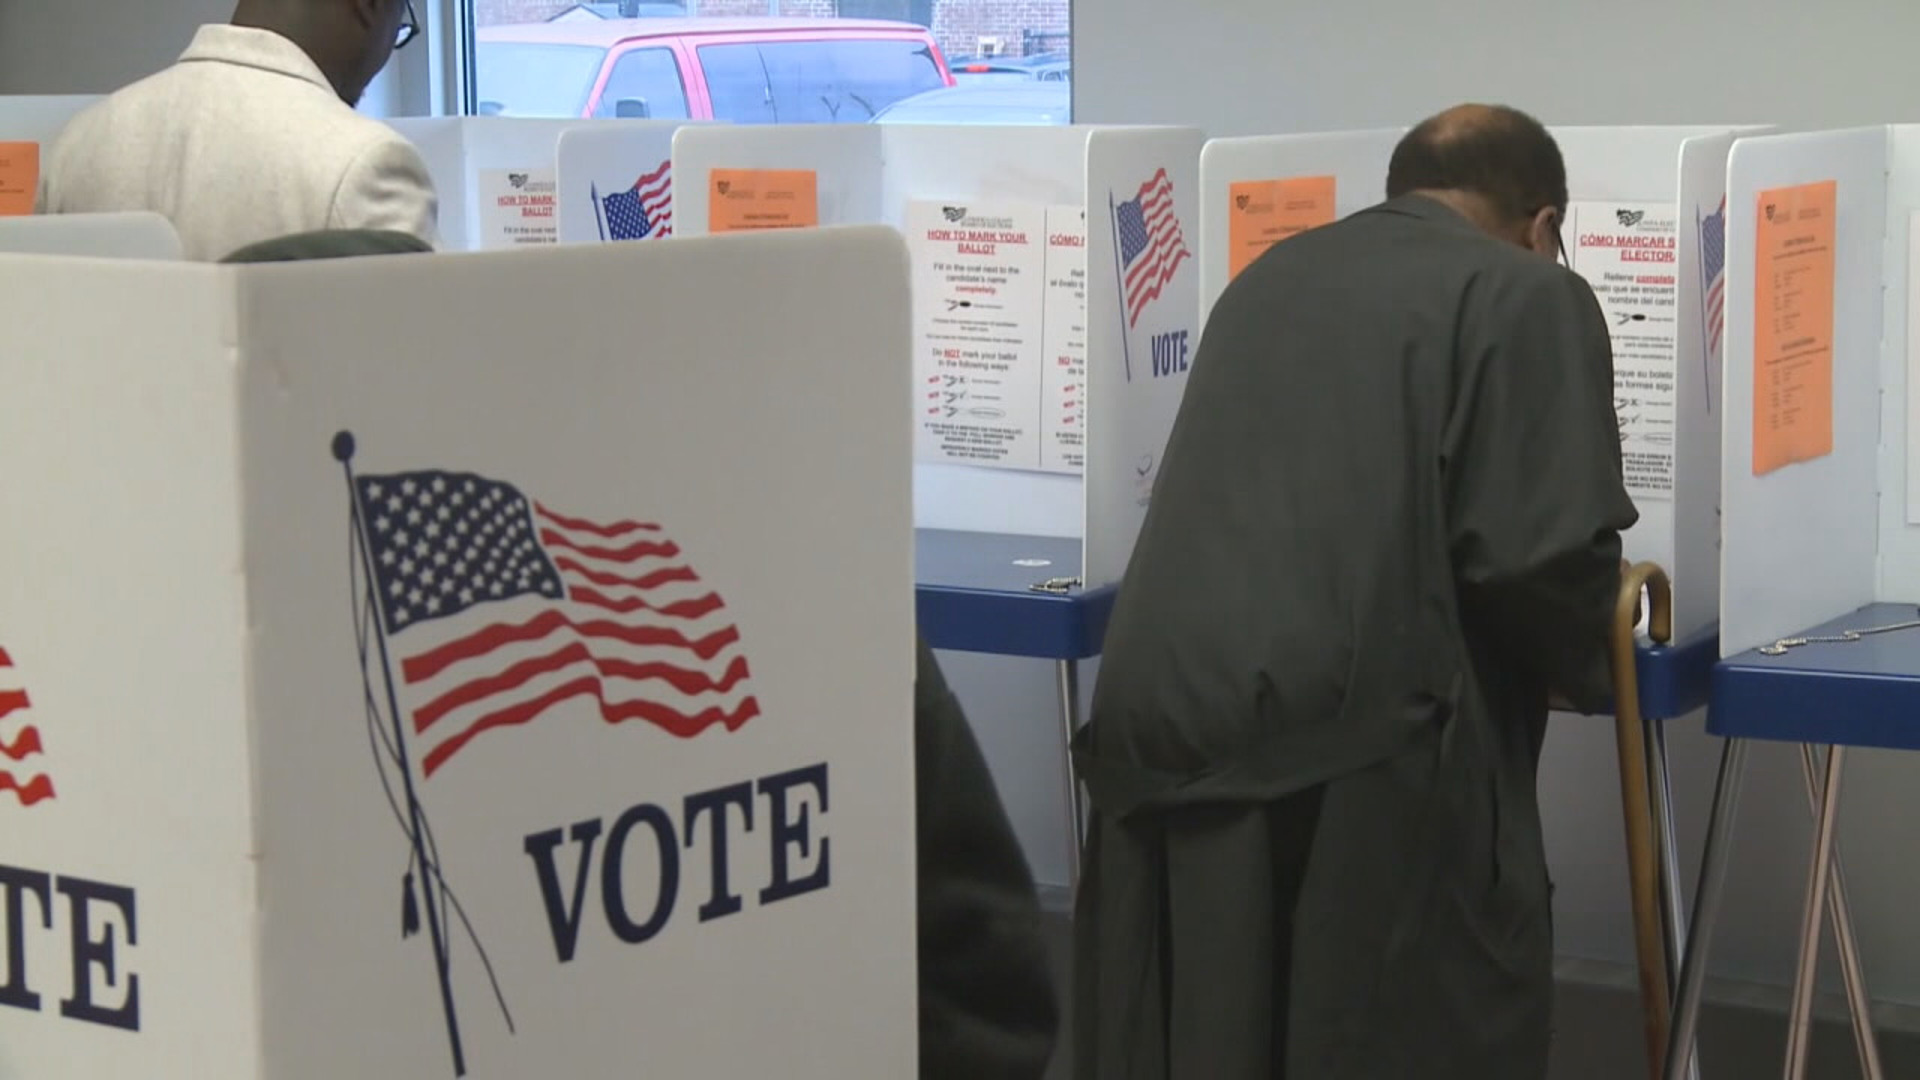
(1706, 909)
(1859, 1005)
(1673, 898)
(1800, 1017)
(1069, 680)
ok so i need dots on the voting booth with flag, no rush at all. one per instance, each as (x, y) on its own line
(498, 177)
(1053, 276)
(1646, 228)
(1054, 273)
(615, 183)
(407, 671)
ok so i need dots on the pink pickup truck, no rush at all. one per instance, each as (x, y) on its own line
(746, 71)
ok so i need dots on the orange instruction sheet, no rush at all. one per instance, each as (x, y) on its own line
(1261, 213)
(19, 177)
(743, 199)
(1793, 326)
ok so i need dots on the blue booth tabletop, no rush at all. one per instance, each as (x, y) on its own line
(1857, 693)
(974, 593)
(1675, 678)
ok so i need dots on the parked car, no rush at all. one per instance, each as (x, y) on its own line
(1025, 102)
(747, 71)
(1044, 67)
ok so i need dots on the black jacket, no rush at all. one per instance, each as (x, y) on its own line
(987, 1004)
(1387, 524)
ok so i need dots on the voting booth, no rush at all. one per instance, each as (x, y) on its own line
(1054, 275)
(615, 183)
(498, 177)
(1645, 227)
(1820, 635)
(1054, 279)
(1821, 512)
(467, 666)
(27, 124)
(136, 235)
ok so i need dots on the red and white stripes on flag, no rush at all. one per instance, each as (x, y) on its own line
(1152, 246)
(21, 772)
(500, 610)
(1713, 263)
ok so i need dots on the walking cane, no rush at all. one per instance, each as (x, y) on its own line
(1635, 795)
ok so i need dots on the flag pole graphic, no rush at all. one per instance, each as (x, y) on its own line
(1706, 322)
(343, 447)
(1120, 283)
(599, 214)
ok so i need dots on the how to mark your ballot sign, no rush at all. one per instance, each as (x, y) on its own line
(459, 665)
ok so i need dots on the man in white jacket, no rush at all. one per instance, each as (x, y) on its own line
(253, 134)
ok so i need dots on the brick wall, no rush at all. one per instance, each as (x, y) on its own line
(495, 12)
(958, 25)
(793, 9)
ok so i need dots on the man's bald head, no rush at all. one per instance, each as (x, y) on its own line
(1498, 156)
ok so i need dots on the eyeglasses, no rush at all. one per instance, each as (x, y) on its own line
(1559, 234)
(409, 29)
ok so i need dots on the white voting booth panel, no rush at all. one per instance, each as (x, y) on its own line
(616, 183)
(139, 235)
(356, 622)
(844, 158)
(1151, 323)
(1645, 208)
(1819, 538)
(497, 176)
(1355, 160)
(1662, 292)
(1115, 208)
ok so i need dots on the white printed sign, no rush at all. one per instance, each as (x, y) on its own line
(517, 208)
(1627, 253)
(1063, 420)
(978, 291)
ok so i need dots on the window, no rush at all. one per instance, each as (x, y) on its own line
(817, 82)
(543, 57)
(737, 84)
(917, 12)
(519, 79)
(650, 78)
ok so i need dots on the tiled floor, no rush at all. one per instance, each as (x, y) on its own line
(1599, 1037)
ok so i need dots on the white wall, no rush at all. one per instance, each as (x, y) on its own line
(1250, 67)
(60, 47)
(1240, 67)
(98, 46)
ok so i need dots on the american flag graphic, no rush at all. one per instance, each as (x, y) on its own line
(19, 741)
(499, 609)
(1713, 263)
(1151, 244)
(644, 210)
